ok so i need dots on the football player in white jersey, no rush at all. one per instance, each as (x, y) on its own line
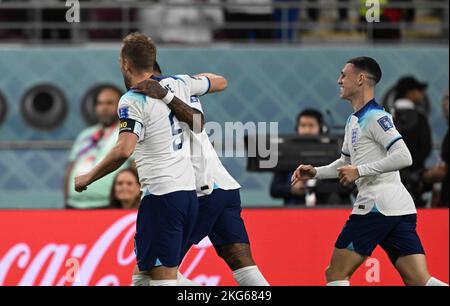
(219, 215)
(384, 213)
(149, 128)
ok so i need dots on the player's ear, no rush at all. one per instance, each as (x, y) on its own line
(126, 64)
(361, 79)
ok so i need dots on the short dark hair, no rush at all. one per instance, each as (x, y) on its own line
(309, 112)
(140, 50)
(157, 68)
(368, 65)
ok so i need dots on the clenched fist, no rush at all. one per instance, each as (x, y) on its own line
(348, 174)
(303, 172)
(81, 182)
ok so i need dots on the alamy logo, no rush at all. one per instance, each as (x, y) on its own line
(373, 11)
(73, 13)
(373, 273)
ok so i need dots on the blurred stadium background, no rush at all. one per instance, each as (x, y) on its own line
(276, 66)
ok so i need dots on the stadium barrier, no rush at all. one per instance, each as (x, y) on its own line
(291, 247)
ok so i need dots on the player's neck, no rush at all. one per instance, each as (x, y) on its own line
(361, 100)
(135, 79)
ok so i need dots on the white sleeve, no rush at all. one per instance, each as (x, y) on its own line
(196, 104)
(131, 113)
(198, 86)
(382, 129)
(330, 171)
(398, 158)
(345, 151)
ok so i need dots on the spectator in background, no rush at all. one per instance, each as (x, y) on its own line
(55, 15)
(309, 123)
(120, 15)
(390, 97)
(414, 127)
(390, 17)
(10, 15)
(91, 145)
(249, 11)
(343, 17)
(125, 191)
(287, 19)
(439, 173)
(190, 23)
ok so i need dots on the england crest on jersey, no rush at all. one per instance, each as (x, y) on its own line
(354, 136)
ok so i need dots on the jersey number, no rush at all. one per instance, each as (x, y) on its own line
(177, 132)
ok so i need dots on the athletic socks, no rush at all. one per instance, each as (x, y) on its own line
(168, 282)
(339, 283)
(140, 280)
(183, 281)
(435, 282)
(249, 276)
(144, 280)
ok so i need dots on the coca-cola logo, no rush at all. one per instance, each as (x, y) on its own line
(107, 261)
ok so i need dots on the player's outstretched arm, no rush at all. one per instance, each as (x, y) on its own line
(217, 82)
(113, 160)
(183, 112)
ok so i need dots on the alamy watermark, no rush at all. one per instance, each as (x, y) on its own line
(228, 140)
(72, 274)
(373, 273)
(73, 13)
(373, 11)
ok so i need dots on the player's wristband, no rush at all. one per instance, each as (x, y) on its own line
(168, 98)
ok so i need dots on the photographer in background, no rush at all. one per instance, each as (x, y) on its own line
(309, 123)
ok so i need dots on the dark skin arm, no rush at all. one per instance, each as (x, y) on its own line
(182, 111)
(194, 119)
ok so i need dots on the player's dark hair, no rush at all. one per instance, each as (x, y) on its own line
(157, 68)
(140, 50)
(368, 65)
(309, 112)
(113, 201)
(107, 87)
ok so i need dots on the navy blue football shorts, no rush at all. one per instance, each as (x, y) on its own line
(395, 234)
(163, 228)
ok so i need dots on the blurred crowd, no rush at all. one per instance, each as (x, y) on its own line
(206, 21)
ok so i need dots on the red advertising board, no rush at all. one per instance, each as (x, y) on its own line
(291, 247)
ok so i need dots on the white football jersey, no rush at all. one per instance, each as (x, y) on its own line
(210, 173)
(369, 134)
(162, 153)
